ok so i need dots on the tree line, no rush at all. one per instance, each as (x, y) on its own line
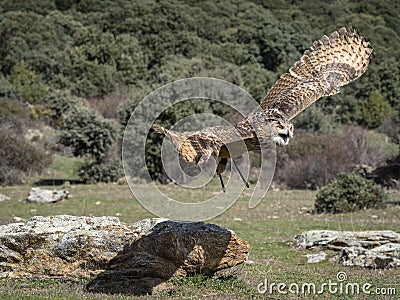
(77, 51)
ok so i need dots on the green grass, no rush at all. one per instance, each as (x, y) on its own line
(269, 228)
(65, 167)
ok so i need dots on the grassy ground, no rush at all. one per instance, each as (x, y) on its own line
(269, 228)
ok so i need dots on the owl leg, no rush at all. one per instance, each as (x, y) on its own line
(240, 173)
(222, 183)
(221, 168)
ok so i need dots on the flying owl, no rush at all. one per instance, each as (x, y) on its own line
(333, 61)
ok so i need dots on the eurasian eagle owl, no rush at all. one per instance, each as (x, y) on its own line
(333, 61)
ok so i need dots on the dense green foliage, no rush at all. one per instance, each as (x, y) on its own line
(87, 133)
(103, 172)
(375, 110)
(58, 105)
(349, 193)
(53, 51)
(92, 46)
(28, 86)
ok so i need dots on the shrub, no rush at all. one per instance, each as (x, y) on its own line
(29, 86)
(6, 89)
(59, 104)
(370, 147)
(311, 160)
(108, 106)
(314, 119)
(19, 158)
(349, 193)
(375, 110)
(103, 172)
(87, 133)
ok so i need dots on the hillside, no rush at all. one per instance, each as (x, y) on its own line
(107, 55)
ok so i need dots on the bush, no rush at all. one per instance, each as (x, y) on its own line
(59, 104)
(19, 158)
(314, 119)
(349, 193)
(103, 172)
(6, 89)
(87, 133)
(370, 148)
(108, 106)
(29, 86)
(311, 160)
(375, 110)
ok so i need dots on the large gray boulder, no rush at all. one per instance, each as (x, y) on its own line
(105, 249)
(369, 249)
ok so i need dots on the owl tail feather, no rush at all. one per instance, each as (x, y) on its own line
(176, 138)
(183, 144)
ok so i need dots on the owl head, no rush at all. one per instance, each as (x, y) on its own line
(282, 131)
(271, 125)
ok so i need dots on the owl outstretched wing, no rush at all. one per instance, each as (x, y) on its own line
(332, 62)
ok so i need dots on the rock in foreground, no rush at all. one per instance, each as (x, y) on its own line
(368, 249)
(152, 250)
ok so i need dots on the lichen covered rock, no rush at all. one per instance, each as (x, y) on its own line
(64, 246)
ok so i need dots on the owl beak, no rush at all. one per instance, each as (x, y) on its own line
(285, 138)
(282, 139)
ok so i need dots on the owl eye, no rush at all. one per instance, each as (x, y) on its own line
(280, 127)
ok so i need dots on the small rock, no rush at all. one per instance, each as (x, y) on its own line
(237, 219)
(19, 220)
(38, 195)
(4, 198)
(97, 203)
(33, 135)
(304, 210)
(316, 258)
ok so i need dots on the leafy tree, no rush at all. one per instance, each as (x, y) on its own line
(375, 110)
(314, 119)
(87, 134)
(29, 86)
(103, 172)
(91, 48)
(59, 103)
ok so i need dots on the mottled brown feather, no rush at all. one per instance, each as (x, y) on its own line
(333, 61)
